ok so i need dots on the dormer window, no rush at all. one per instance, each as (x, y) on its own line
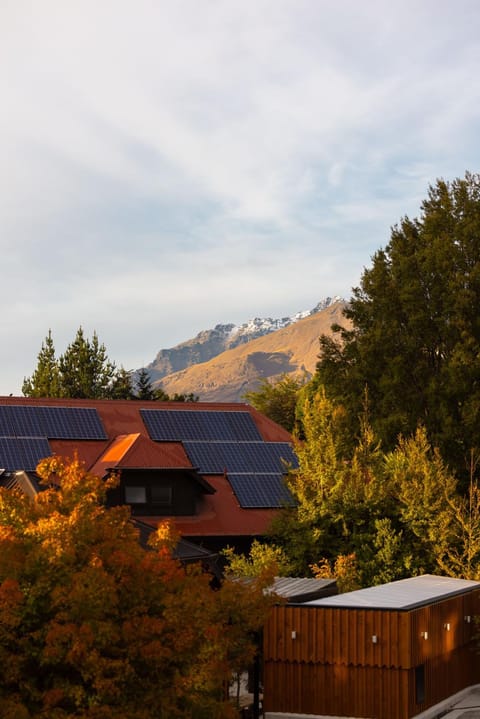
(160, 492)
(161, 496)
(135, 495)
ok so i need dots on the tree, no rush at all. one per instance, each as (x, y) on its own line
(415, 339)
(278, 400)
(338, 493)
(45, 380)
(182, 397)
(122, 386)
(82, 371)
(144, 387)
(373, 516)
(423, 488)
(261, 558)
(85, 370)
(461, 558)
(94, 626)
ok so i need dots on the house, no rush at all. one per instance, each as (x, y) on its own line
(216, 470)
(385, 652)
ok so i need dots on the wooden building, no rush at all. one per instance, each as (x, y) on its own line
(386, 652)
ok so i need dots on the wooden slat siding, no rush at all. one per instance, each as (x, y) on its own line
(433, 619)
(332, 667)
(444, 676)
(341, 636)
(337, 690)
(471, 608)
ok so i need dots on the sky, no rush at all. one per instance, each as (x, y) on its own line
(168, 165)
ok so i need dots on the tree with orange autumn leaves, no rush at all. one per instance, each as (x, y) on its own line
(94, 626)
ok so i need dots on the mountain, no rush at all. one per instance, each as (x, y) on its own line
(226, 377)
(211, 343)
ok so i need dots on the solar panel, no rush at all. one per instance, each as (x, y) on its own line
(216, 457)
(25, 421)
(236, 456)
(52, 422)
(169, 425)
(216, 426)
(243, 427)
(191, 425)
(17, 453)
(207, 456)
(161, 425)
(72, 423)
(6, 422)
(282, 453)
(260, 490)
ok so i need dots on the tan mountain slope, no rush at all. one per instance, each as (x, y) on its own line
(292, 350)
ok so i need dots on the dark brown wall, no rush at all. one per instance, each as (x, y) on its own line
(333, 667)
(185, 492)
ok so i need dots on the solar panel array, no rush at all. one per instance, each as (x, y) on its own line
(228, 442)
(17, 453)
(166, 425)
(236, 457)
(26, 429)
(260, 490)
(51, 422)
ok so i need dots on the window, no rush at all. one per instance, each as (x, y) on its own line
(420, 684)
(161, 495)
(135, 495)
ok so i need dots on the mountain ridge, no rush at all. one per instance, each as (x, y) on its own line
(208, 344)
(227, 376)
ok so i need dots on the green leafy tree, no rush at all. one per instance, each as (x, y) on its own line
(93, 626)
(374, 516)
(423, 487)
(461, 549)
(45, 380)
(262, 558)
(338, 493)
(415, 336)
(278, 400)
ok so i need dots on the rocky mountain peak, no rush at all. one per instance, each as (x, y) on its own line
(208, 344)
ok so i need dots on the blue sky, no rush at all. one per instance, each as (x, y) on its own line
(167, 165)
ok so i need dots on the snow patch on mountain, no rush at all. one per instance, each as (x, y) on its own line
(263, 325)
(210, 343)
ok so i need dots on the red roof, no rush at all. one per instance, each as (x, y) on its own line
(128, 445)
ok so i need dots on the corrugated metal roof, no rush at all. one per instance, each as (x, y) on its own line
(301, 589)
(128, 446)
(401, 595)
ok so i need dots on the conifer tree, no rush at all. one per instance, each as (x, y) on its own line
(121, 385)
(144, 387)
(45, 380)
(415, 340)
(85, 370)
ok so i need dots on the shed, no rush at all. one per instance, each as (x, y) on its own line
(385, 652)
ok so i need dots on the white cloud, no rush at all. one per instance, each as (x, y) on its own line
(163, 162)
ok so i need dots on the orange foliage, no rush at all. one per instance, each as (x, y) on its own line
(344, 570)
(96, 627)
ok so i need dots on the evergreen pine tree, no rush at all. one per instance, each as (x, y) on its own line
(144, 387)
(415, 341)
(85, 370)
(45, 380)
